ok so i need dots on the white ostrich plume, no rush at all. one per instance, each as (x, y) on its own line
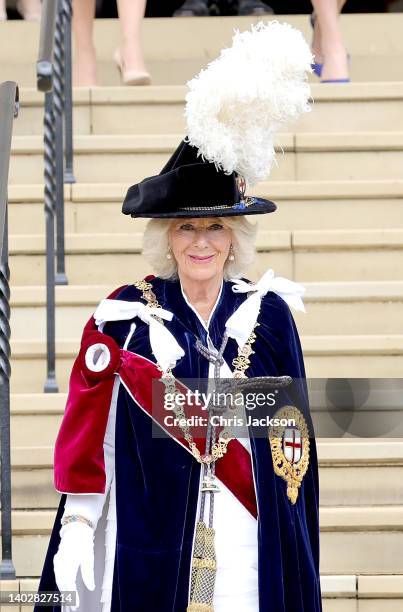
(235, 106)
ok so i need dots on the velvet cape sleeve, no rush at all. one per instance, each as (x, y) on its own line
(79, 465)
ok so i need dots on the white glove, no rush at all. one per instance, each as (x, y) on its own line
(76, 547)
(76, 551)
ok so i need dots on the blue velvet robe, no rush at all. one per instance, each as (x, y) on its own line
(157, 480)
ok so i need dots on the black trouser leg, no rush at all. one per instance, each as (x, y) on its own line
(193, 8)
(254, 7)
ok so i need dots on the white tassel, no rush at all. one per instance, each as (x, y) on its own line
(236, 105)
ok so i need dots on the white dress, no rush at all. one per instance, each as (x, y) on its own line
(236, 588)
(236, 544)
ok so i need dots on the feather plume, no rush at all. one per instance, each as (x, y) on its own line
(235, 106)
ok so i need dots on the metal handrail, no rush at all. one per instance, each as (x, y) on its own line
(9, 106)
(44, 65)
(54, 79)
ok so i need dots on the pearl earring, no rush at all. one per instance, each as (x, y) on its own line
(169, 256)
(231, 256)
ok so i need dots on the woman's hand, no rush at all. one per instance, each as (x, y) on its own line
(76, 550)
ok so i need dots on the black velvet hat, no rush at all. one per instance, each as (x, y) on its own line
(234, 108)
(188, 186)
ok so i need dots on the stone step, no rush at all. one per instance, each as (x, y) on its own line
(363, 69)
(379, 593)
(338, 485)
(302, 255)
(365, 540)
(326, 356)
(129, 158)
(307, 205)
(159, 109)
(340, 593)
(340, 308)
(353, 472)
(377, 52)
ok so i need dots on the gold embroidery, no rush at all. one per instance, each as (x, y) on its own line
(148, 293)
(170, 388)
(143, 285)
(241, 364)
(204, 563)
(242, 361)
(203, 571)
(219, 448)
(292, 473)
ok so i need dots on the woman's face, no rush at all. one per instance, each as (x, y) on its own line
(200, 246)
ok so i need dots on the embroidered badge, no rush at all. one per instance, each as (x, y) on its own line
(290, 449)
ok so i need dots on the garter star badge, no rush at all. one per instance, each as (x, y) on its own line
(290, 449)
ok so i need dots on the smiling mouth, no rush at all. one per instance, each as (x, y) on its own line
(201, 259)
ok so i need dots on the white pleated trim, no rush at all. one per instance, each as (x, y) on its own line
(110, 548)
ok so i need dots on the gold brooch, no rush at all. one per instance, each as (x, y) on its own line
(290, 449)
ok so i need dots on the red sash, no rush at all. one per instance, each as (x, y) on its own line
(79, 457)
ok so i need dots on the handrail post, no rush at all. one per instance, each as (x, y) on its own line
(58, 100)
(68, 94)
(45, 75)
(54, 79)
(50, 385)
(9, 104)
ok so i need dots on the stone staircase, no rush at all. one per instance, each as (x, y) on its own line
(338, 230)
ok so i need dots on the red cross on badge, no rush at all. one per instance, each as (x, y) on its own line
(292, 445)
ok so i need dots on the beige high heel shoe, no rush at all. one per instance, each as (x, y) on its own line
(131, 77)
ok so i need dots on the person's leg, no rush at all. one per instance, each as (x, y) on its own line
(131, 13)
(316, 45)
(84, 69)
(3, 13)
(332, 50)
(30, 9)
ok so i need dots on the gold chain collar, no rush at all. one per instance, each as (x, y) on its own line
(241, 364)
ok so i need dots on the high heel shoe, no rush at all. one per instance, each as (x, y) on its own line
(316, 66)
(344, 80)
(131, 77)
(317, 69)
(335, 81)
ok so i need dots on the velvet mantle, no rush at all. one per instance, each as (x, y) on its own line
(157, 481)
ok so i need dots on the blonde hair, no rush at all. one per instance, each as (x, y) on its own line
(155, 246)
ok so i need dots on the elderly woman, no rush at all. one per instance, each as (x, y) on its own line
(164, 508)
